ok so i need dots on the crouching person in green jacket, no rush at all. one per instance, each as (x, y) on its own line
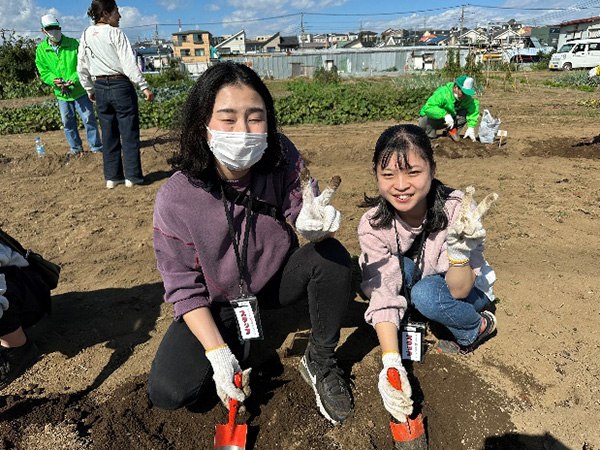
(56, 60)
(450, 108)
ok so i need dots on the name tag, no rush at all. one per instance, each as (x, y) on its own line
(248, 319)
(412, 341)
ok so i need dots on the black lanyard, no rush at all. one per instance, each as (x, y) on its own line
(239, 259)
(405, 289)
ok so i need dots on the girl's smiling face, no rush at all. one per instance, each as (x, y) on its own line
(405, 185)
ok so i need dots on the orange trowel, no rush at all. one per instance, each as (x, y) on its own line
(453, 133)
(409, 435)
(231, 436)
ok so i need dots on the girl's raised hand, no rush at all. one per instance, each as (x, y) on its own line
(317, 219)
(467, 232)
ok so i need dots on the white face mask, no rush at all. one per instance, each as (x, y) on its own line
(54, 35)
(237, 150)
(455, 95)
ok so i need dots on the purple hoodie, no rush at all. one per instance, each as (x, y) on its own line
(194, 252)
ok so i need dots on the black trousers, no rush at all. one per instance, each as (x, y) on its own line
(28, 298)
(319, 273)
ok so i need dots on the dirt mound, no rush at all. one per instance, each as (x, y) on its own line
(566, 148)
(465, 148)
(281, 414)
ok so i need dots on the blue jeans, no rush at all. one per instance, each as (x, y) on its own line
(117, 105)
(432, 298)
(85, 108)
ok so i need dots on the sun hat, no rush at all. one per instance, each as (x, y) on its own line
(466, 84)
(49, 20)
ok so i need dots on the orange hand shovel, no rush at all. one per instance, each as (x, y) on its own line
(409, 435)
(231, 436)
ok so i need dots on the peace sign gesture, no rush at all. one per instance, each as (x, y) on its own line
(317, 218)
(467, 232)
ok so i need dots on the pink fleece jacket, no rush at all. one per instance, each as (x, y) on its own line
(381, 269)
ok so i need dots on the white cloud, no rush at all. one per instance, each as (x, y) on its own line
(23, 16)
(213, 7)
(169, 5)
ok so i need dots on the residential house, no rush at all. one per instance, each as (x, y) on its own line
(271, 45)
(506, 37)
(368, 36)
(192, 46)
(254, 46)
(289, 43)
(232, 45)
(154, 57)
(469, 37)
(579, 29)
(357, 43)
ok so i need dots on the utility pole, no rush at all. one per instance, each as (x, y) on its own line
(302, 22)
(462, 18)
(156, 33)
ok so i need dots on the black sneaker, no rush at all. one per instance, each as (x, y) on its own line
(14, 361)
(334, 397)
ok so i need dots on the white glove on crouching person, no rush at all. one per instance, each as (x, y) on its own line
(467, 232)
(593, 72)
(397, 401)
(317, 218)
(3, 299)
(470, 133)
(225, 365)
(449, 121)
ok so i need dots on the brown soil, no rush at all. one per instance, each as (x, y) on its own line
(532, 386)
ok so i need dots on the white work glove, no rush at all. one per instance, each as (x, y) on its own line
(449, 121)
(225, 365)
(593, 72)
(317, 218)
(3, 299)
(467, 232)
(397, 402)
(470, 133)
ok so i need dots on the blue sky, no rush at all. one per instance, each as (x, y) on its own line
(229, 16)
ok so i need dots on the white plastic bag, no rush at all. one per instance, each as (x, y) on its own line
(488, 128)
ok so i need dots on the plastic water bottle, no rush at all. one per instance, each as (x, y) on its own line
(39, 147)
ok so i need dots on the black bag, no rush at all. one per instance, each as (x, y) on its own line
(49, 271)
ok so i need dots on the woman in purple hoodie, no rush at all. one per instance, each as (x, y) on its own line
(422, 243)
(225, 245)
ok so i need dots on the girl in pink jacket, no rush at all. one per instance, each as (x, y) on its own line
(422, 244)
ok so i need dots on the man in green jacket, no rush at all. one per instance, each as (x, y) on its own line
(56, 60)
(451, 107)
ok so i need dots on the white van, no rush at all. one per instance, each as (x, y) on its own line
(576, 54)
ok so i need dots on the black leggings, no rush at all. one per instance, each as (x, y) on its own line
(319, 273)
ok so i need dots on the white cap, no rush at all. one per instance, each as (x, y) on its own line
(49, 20)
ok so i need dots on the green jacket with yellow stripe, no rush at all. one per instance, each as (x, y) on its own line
(442, 102)
(62, 65)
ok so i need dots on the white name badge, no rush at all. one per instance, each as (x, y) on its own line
(412, 342)
(248, 322)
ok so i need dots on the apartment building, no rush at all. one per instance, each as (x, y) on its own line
(192, 46)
